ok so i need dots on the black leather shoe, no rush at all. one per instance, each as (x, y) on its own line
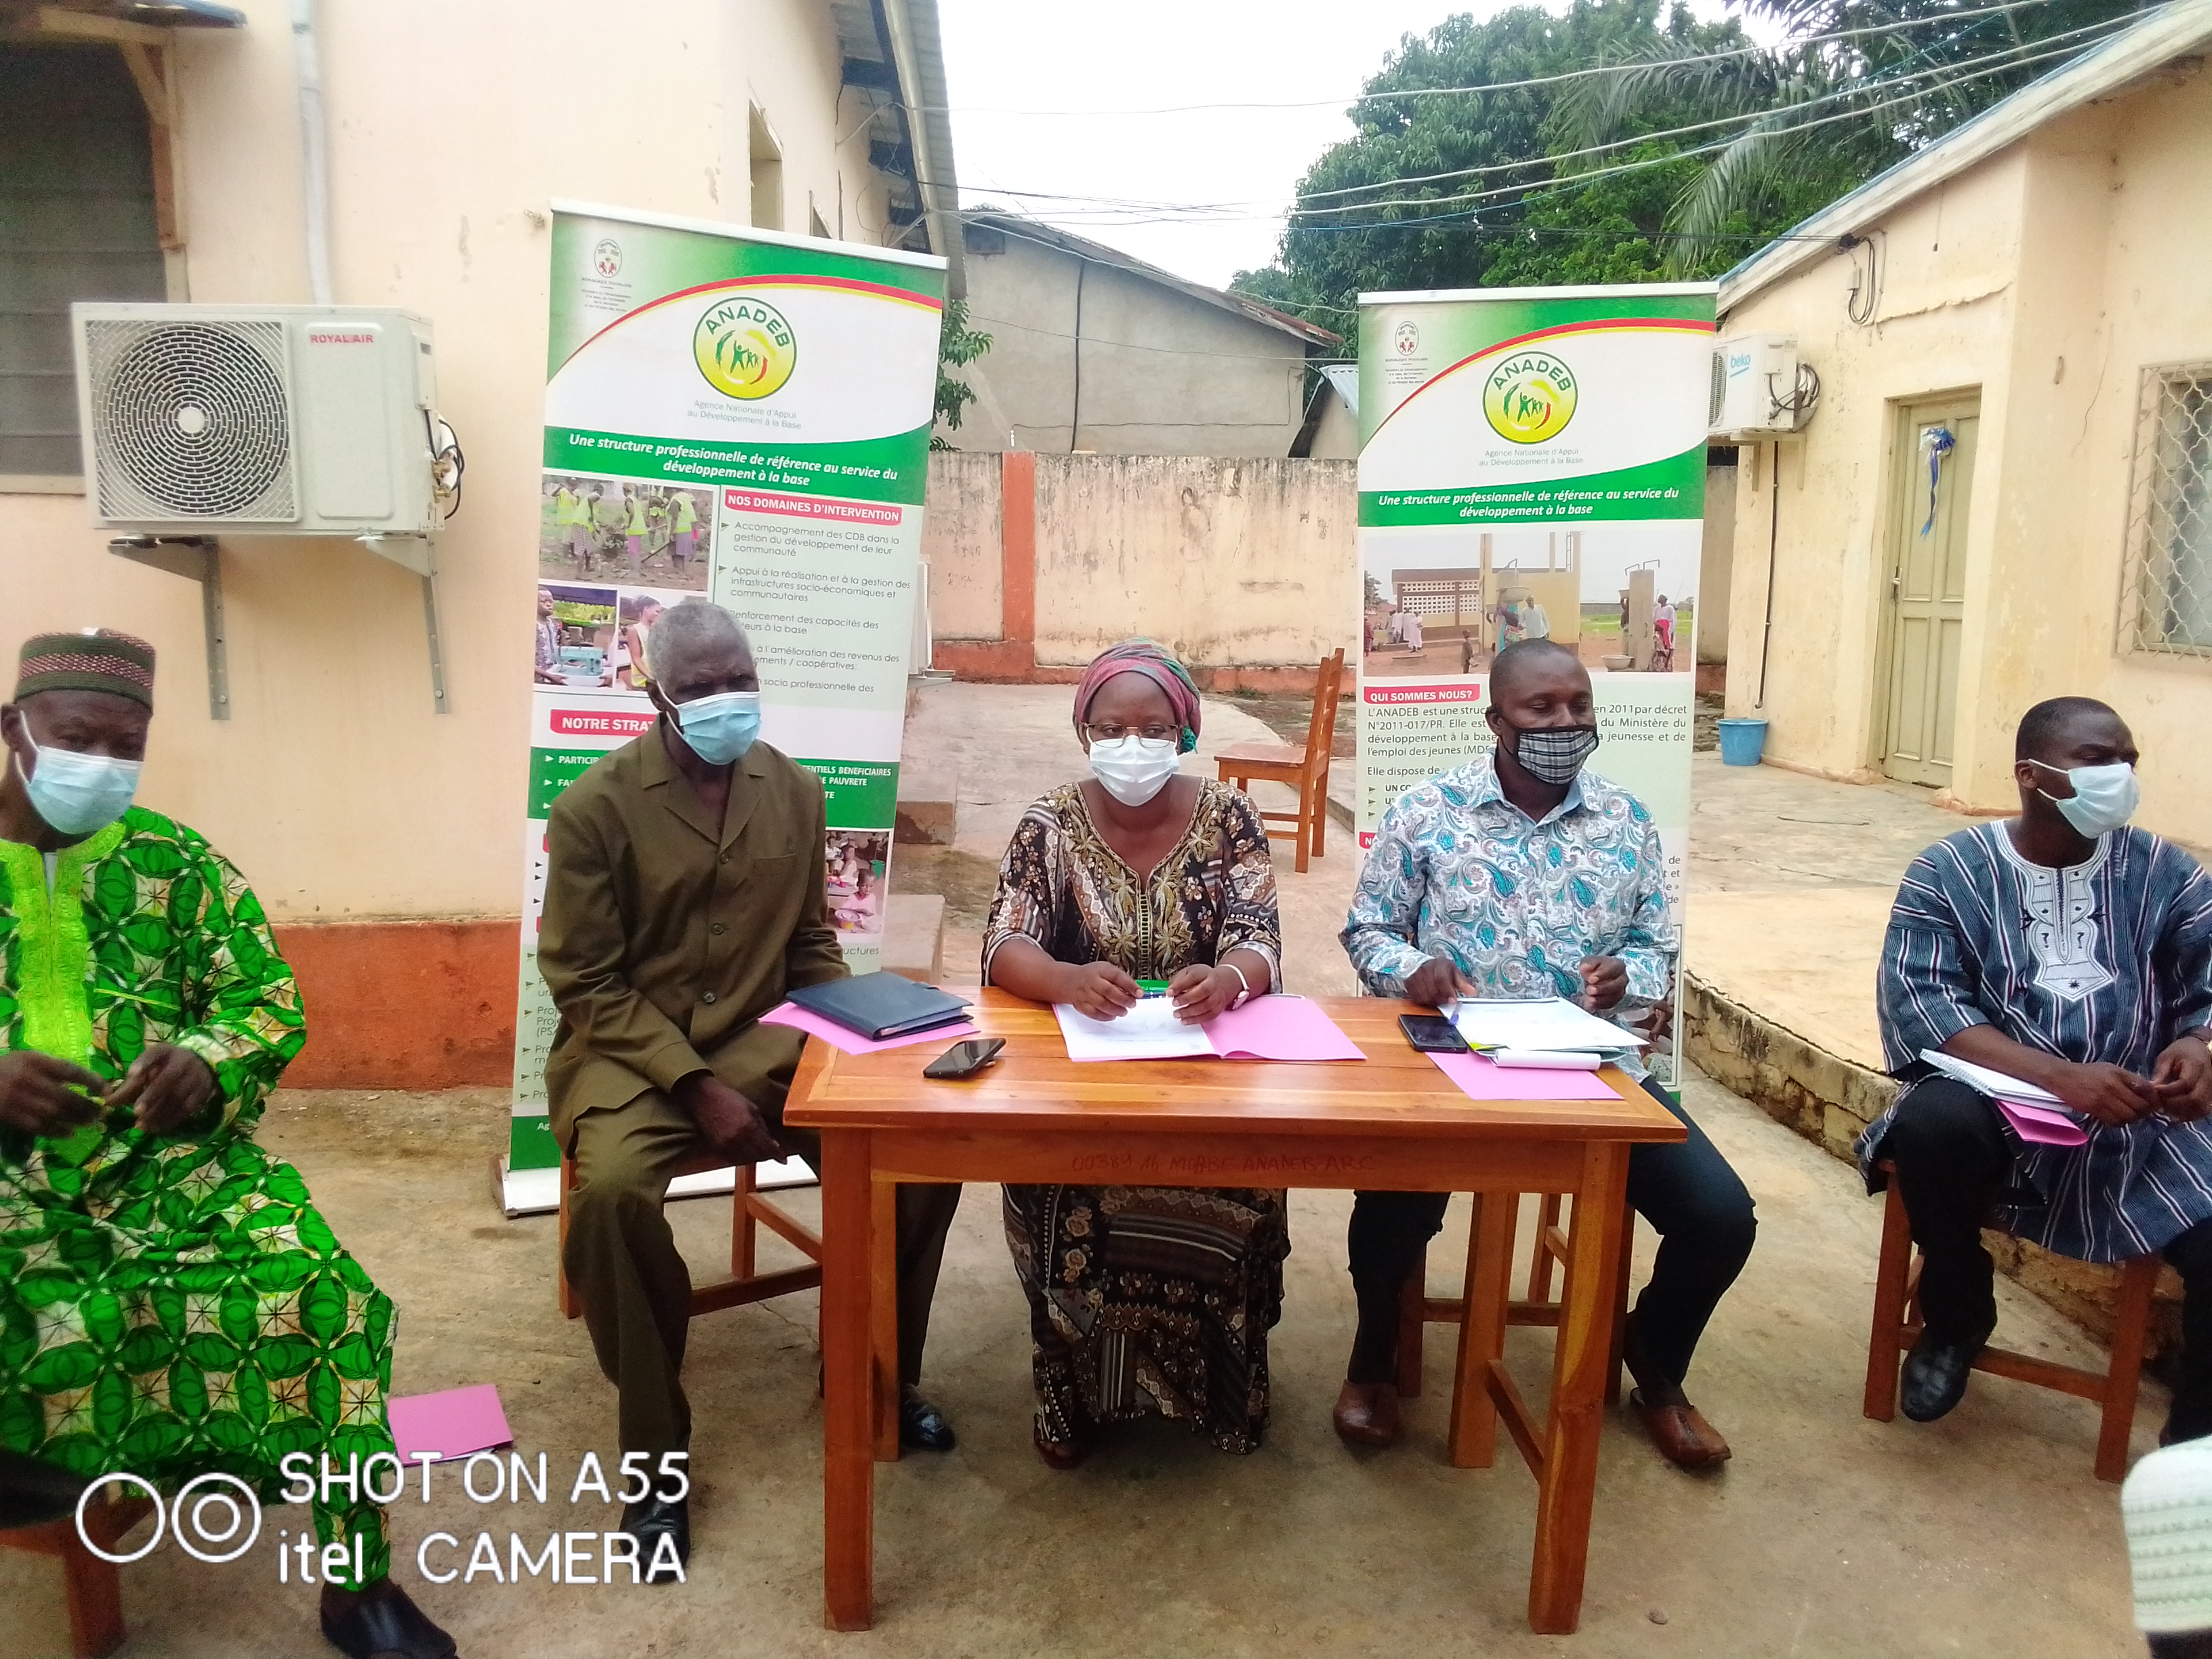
(922, 1425)
(649, 1521)
(383, 1624)
(1936, 1374)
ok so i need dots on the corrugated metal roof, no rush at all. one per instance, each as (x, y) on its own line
(2180, 29)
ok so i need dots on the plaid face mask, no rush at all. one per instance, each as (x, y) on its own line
(1553, 754)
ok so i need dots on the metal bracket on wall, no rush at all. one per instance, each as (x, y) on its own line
(416, 553)
(197, 559)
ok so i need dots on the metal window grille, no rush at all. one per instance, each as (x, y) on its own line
(2168, 604)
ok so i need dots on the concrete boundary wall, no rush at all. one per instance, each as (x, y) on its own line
(1242, 567)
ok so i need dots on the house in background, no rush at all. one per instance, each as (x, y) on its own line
(1095, 350)
(154, 151)
(2005, 492)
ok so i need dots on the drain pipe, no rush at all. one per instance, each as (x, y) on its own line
(314, 150)
(1773, 538)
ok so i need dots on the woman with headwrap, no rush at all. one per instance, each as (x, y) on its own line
(1142, 1298)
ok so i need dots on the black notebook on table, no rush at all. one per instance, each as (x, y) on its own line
(879, 1005)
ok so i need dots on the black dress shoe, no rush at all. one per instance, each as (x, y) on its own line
(383, 1621)
(650, 1519)
(922, 1425)
(1936, 1374)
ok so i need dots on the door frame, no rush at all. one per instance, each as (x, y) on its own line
(1899, 459)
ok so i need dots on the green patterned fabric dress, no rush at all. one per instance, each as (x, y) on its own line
(172, 1305)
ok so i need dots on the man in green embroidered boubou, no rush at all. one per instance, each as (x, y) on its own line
(171, 1304)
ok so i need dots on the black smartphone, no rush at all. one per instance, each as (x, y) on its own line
(1432, 1034)
(964, 1059)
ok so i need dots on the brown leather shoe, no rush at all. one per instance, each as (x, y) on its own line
(1367, 1415)
(1681, 1433)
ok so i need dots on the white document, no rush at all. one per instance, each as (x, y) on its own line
(1148, 1031)
(1549, 1023)
(1548, 1060)
(1995, 1084)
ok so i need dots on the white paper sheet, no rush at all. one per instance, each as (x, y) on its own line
(1148, 1031)
(1998, 1085)
(1551, 1023)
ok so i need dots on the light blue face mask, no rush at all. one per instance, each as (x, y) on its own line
(77, 793)
(721, 728)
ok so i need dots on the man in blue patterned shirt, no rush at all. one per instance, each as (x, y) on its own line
(1521, 875)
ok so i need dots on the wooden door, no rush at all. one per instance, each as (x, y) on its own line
(1927, 587)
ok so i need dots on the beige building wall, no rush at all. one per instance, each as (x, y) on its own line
(1162, 373)
(334, 784)
(2049, 276)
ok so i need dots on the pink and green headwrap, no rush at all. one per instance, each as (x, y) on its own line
(1143, 657)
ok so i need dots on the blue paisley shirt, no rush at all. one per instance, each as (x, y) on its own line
(1457, 870)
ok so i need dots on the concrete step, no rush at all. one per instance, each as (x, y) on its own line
(928, 806)
(913, 936)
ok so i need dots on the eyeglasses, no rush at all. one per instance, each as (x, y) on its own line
(1156, 732)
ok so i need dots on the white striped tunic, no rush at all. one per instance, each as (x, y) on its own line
(2108, 961)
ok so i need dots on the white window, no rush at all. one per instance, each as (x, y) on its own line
(2170, 523)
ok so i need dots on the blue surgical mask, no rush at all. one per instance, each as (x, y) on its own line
(2104, 798)
(721, 728)
(77, 793)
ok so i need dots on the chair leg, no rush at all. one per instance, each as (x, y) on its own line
(572, 1305)
(1891, 1294)
(2130, 1328)
(1304, 841)
(1540, 1258)
(1321, 814)
(1413, 1305)
(1620, 1312)
(742, 1236)
(95, 1600)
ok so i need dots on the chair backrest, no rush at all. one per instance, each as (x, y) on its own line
(1321, 731)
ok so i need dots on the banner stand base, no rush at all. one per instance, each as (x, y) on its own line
(538, 1192)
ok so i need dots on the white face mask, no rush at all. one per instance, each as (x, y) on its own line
(1132, 769)
(77, 793)
(2104, 798)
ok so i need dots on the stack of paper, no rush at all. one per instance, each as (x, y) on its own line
(1523, 1033)
(2035, 1113)
(1266, 1028)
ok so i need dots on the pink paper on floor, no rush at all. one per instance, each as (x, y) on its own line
(802, 1019)
(452, 1423)
(2041, 1124)
(1481, 1080)
(1279, 1028)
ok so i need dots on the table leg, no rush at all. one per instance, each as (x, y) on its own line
(883, 1319)
(1473, 1437)
(1568, 1484)
(848, 1469)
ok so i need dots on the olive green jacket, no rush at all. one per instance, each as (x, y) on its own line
(665, 940)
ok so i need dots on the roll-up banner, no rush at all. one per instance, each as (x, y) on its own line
(742, 416)
(1532, 463)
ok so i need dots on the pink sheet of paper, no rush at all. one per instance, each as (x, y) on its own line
(2043, 1126)
(1279, 1028)
(452, 1423)
(802, 1019)
(1481, 1080)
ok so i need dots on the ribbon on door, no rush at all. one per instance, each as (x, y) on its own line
(1935, 442)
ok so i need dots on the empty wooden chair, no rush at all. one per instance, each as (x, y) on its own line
(1306, 770)
(1896, 1327)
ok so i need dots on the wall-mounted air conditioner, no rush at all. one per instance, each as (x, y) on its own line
(260, 420)
(1760, 390)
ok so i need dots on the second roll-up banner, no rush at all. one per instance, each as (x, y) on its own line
(1532, 463)
(743, 415)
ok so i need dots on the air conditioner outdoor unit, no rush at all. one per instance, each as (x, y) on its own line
(1759, 390)
(259, 420)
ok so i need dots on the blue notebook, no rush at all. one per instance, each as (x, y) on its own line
(879, 1005)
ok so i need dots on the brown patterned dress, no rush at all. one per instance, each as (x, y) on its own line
(1146, 1299)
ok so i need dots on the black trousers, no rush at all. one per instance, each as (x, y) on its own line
(1687, 1191)
(1951, 1158)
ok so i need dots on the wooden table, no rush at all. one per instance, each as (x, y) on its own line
(1394, 1122)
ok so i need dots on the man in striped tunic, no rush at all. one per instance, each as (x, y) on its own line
(2066, 949)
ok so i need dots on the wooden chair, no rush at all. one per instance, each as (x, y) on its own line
(1491, 1241)
(1306, 770)
(749, 1210)
(95, 1586)
(1897, 1325)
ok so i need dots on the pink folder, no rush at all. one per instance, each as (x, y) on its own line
(2043, 1125)
(452, 1423)
(802, 1019)
(1479, 1079)
(1279, 1028)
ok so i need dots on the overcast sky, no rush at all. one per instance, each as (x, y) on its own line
(1037, 92)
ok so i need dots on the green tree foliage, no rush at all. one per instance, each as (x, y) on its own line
(957, 346)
